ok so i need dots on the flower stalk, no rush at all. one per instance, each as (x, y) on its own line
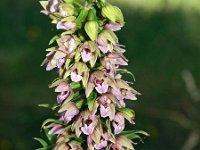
(91, 93)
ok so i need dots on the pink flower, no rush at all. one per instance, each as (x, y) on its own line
(118, 123)
(56, 129)
(64, 90)
(104, 45)
(56, 8)
(122, 143)
(55, 59)
(103, 143)
(101, 86)
(89, 124)
(112, 62)
(113, 26)
(107, 106)
(99, 81)
(79, 71)
(123, 91)
(57, 56)
(89, 52)
(70, 113)
(67, 43)
(86, 55)
(51, 7)
(66, 25)
(98, 139)
(106, 41)
(75, 77)
(105, 110)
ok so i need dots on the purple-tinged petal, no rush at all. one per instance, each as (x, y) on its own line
(57, 129)
(118, 128)
(60, 62)
(86, 55)
(62, 96)
(117, 93)
(75, 77)
(131, 96)
(118, 123)
(87, 130)
(105, 111)
(113, 26)
(72, 45)
(50, 66)
(65, 25)
(103, 143)
(102, 88)
(62, 87)
(70, 113)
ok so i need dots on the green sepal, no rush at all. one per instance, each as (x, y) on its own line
(44, 4)
(41, 141)
(50, 120)
(53, 39)
(52, 107)
(127, 72)
(134, 134)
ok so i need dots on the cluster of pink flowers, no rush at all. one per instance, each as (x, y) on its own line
(91, 92)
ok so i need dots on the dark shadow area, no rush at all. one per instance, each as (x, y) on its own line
(159, 45)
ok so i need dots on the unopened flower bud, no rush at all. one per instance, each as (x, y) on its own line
(91, 28)
(113, 13)
(109, 12)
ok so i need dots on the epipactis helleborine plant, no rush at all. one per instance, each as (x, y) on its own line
(91, 102)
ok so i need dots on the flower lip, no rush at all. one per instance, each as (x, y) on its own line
(88, 122)
(87, 50)
(99, 81)
(86, 55)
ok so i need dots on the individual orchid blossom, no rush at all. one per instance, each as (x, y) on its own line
(50, 6)
(56, 129)
(106, 40)
(55, 59)
(99, 81)
(66, 25)
(122, 143)
(124, 91)
(79, 71)
(89, 124)
(67, 44)
(91, 108)
(57, 56)
(113, 26)
(107, 106)
(118, 123)
(102, 143)
(70, 113)
(61, 144)
(65, 92)
(112, 62)
(99, 139)
(56, 8)
(89, 52)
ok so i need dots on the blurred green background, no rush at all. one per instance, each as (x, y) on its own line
(163, 46)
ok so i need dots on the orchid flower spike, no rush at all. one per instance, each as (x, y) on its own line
(91, 92)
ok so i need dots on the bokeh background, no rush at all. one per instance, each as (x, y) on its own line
(163, 46)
